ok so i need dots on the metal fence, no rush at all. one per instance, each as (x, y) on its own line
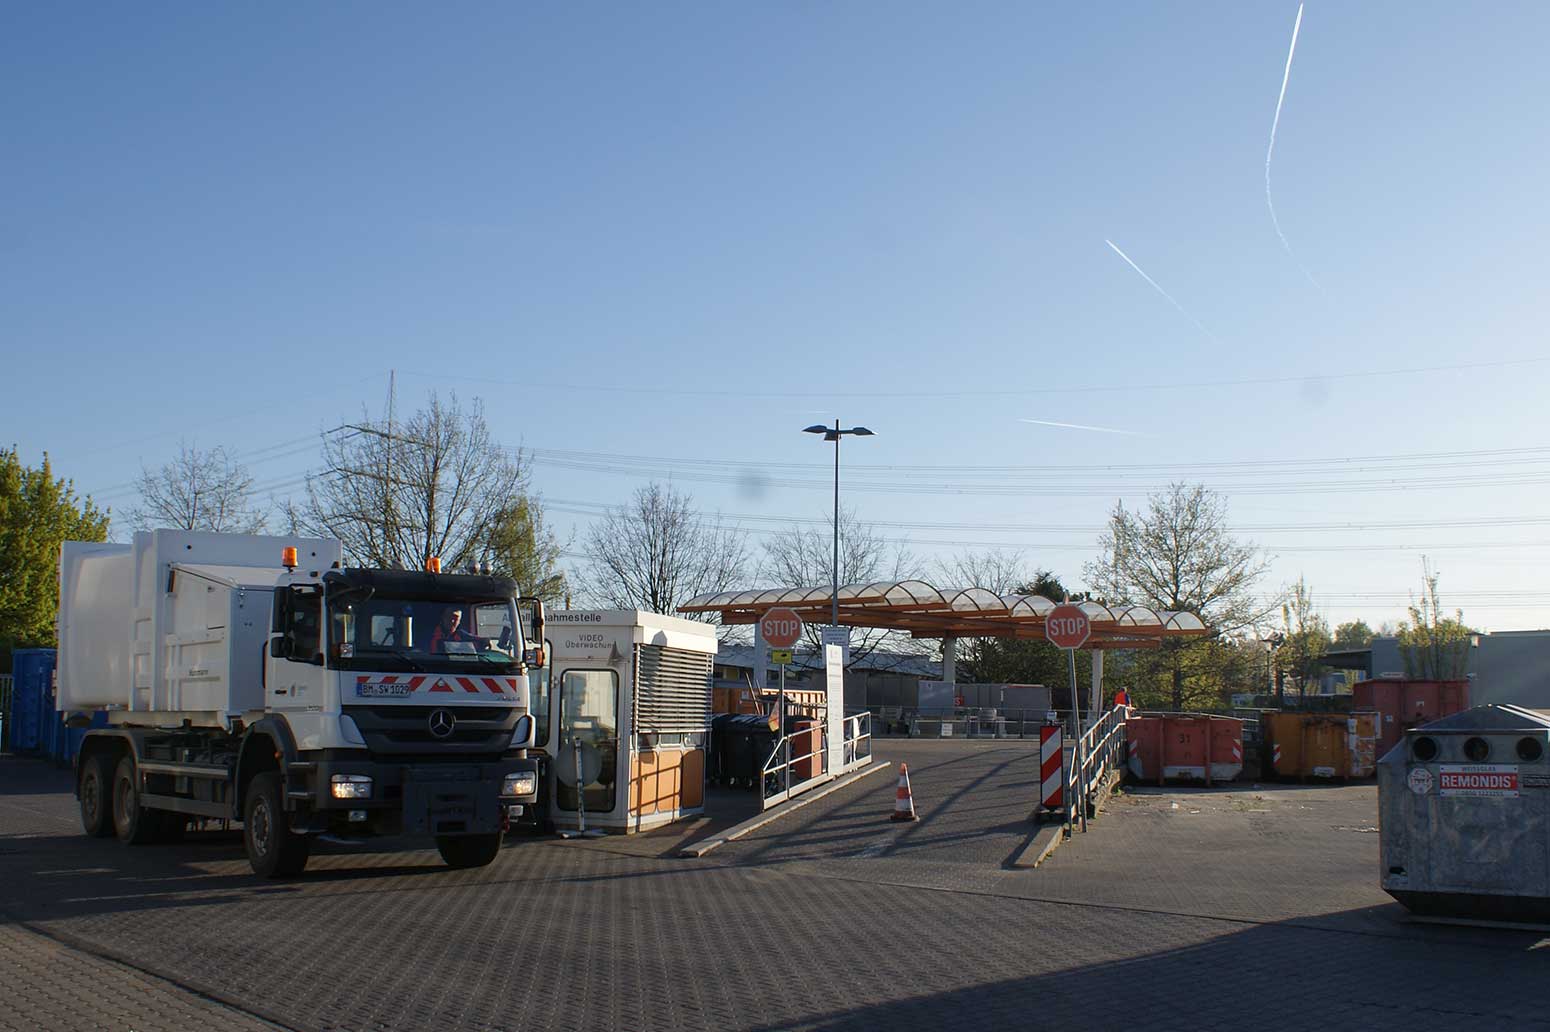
(7, 685)
(967, 722)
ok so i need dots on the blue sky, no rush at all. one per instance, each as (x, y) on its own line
(686, 231)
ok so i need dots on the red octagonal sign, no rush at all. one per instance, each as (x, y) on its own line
(1067, 627)
(780, 627)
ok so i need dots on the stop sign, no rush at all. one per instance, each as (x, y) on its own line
(1067, 627)
(780, 627)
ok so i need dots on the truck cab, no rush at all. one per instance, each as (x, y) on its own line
(300, 698)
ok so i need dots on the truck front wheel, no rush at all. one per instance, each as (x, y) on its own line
(274, 850)
(96, 790)
(133, 823)
(469, 850)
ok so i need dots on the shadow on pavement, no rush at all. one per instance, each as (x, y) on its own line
(1309, 978)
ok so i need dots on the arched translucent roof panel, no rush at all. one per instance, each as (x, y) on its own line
(1184, 622)
(906, 593)
(925, 611)
(1137, 616)
(1096, 613)
(1030, 605)
(974, 600)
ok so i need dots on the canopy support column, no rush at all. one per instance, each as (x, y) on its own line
(1097, 698)
(950, 659)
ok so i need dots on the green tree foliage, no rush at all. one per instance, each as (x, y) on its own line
(1178, 554)
(1306, 638)
(37, 512)
(1434, 647)
(521, 546)
(1354, 634)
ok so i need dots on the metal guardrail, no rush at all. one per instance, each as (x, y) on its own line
(779, 781)
(1100, 750)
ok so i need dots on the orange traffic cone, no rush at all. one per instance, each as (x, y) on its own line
(904, 803)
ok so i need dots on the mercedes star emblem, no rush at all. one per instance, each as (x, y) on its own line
(442, 722)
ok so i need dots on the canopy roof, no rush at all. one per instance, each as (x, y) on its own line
(928, 612)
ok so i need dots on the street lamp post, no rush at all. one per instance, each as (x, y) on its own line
(834, 434)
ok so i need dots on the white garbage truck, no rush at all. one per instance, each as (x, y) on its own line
(258, 679)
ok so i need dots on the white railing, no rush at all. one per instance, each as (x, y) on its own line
(788, 774)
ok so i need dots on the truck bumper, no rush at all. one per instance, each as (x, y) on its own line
(414, 798)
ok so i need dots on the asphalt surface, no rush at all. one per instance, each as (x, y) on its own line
(1227, 908)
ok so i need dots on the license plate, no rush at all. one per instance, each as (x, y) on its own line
(378, 690)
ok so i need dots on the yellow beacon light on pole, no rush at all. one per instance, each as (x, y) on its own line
(433, 564)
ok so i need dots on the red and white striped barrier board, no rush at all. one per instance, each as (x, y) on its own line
(1275, 757)
(393, 687)
(1051, 757)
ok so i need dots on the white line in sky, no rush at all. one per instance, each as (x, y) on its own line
(1275, 124)
(1160, 290)
(1079, 426)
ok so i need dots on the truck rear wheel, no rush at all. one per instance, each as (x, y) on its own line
(96, 790)
(274, 850)
(132, 823)
(469, 850)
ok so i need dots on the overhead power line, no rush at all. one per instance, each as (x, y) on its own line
(1011, 392)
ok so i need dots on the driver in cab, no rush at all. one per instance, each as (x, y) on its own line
(448, 630)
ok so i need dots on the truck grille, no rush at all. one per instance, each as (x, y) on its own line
(404, 732)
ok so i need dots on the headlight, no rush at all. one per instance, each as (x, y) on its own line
(522, 783)
(350, 786)
(522, 734)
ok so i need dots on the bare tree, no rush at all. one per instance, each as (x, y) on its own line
(398, 494)
(805, 558)
(994, 569)
(655, 554)
(1180, 555)
(198, 490)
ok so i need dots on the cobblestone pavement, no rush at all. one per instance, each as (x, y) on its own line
(1260, 909)
(52, 986)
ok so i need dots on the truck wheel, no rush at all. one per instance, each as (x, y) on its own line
(97, 795)
(274, 850)
(468, 850)
(132, 823)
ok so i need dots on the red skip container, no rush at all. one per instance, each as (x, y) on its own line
(1184, 747)
(1402, 705)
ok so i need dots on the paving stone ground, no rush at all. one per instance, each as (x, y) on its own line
(1199, 910)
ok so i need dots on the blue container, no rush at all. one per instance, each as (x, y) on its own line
(32, 700)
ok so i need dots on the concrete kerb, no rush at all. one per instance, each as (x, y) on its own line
(735, 832)
(1050, 836)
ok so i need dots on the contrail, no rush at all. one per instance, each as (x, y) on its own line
(1275, 123)
(1160, 290)
(1079, 426)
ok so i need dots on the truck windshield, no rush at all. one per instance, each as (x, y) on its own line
(417, 635)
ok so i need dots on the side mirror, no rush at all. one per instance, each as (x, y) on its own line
(533, 630)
